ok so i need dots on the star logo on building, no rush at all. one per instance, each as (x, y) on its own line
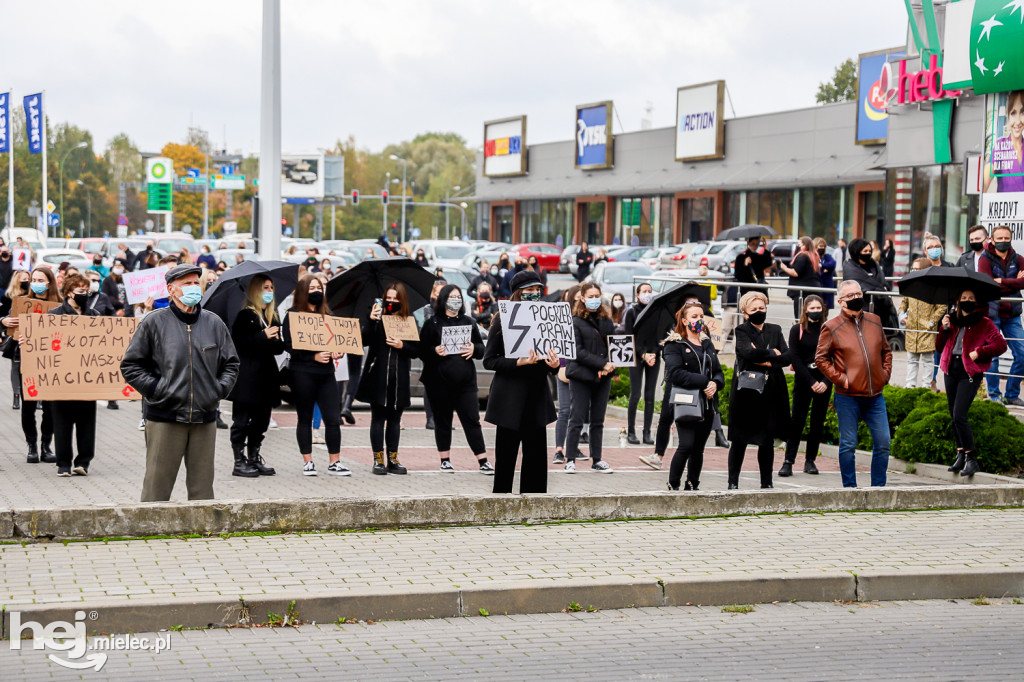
(1016, 5)
(999, 69)
(980, 64)
(987, 26)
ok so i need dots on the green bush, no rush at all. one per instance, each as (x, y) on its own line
(620, 383)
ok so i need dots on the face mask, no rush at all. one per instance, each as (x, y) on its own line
(494, 271)
(534, 296)
(616, 303)
(485, 297)
(316, 297)
(94, 287)
(81, 299)
(24, 286)
(864, 257)
(968, 306)
(821, 252)
(391, 307)
(645, 297)
(38, 288)
(855, 304)
(934, 253)
(97, 262)
(5, 256)
(592, 303)
(268, 297)
(191, 294)
(977, 246)
(118, 271)
(759, 317)
(814, 317)
(697, 326)
(453, 305)
(1002, 247)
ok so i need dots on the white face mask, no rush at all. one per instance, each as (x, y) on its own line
(645, 297)
(94, 287)
(118, 271)
(616, 303)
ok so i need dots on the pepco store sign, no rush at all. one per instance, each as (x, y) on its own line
(911, 87)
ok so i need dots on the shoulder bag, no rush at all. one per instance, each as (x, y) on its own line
(687, 404)
(752, 380)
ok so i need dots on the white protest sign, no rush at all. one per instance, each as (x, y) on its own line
(621, 350)
(143, 284)
(454, 338)
(537, 326)
(21, 259)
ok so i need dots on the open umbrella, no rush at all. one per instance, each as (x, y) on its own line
(553, 297)
(352, 293)
(941, 285)
(659, 316)
(227, 295)
(745, 232)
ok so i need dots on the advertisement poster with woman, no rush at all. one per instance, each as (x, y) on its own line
(1002, 201)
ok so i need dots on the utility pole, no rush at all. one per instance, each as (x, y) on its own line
(270, 133)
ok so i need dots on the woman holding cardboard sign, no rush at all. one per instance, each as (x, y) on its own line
(384, 383)
(257, 336)
(43, 288)
(450, 341)
(16, 288)
(312, 383)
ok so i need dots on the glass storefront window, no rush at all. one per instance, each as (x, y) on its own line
(483, 217)
(593, 230)
(926, 214)
(545, 222)
(503, 223)
(665, 224)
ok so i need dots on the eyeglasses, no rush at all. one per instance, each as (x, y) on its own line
(851, 297)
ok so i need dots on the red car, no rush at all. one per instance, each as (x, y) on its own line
(91, 245)
(548, 255)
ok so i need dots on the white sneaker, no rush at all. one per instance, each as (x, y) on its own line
(652, 461)
(447, 467)
(309, 469)
(273, 424)
(318, 437)
(142, 425)
(338, 469)
(602, 468)
(570, 467)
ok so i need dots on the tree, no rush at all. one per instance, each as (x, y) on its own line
(188, 206)
(124, 159)
(843, 86)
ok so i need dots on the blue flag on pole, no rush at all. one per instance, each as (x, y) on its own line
(34, 122)
(5, 123)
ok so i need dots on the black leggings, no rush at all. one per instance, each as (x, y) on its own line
(385, 427)
(317, 389)
(961, 389)
(533, 477)
(693, 436)
(74, 418)
(465, 403)
(588, 405)
(249, 423)
(765, 459)
(28, 421)
(648, 377)
(805, 399)
(664, 423)
(355, 368)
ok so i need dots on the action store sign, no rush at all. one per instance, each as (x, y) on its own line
(594, 136)
(700, 127)
(505, 147)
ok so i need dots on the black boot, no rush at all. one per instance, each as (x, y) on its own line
(394, 467)
(47, 454)
(959, 463)
(786, 469)
(691, 485)
(971, 465)
(647, 438)
(734, 486)
(220, 422)
(809, 467)
(257, 463)
(379, 466)
(632, 439)
(242, 466)
(720, 441)
(33, 454)
(346, 411)
(17, 402)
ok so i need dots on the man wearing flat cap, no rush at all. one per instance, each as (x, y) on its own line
(181, 359)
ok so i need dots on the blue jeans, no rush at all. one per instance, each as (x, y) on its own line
(851, 410)
(1011, 329)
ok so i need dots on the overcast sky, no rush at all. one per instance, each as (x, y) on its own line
(386, 71)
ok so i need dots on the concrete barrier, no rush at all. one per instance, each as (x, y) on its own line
(939, 584)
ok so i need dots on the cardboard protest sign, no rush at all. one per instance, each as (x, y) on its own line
(143, 284)
(316, 332)
(401, 328)
(21, 259)
(75, 357)
(23, 305)
(622, 350)
(537, 326)
(454, 338)
(713, 328)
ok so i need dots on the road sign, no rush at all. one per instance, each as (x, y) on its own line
(193, 172)
(193, 180)
(122, 220)
(53, 220)
(160, 197)
(159, 169)
(50, 207)
(228, 181)
(414, 233)
(227, 170)
(298, 200)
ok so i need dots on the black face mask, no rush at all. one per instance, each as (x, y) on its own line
(977, 246)
(855, 304)
(81, 300)
(24, 286)
(5, 256)
(1002, 247)
(814, 317)
(864, 258)
(485, 297)
(316, 297)
(759, 317)
(392, 307)
(821, 252)
(967, 306)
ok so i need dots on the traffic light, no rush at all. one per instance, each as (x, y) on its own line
(355, 197)
(384, 197)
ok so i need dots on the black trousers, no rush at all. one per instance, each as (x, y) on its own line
(77, 417)
(28, 421)
(355, 368)
(805, 399)
(765, 459)
(428, 409)
(646, 376)
(385, 428)
(961, 389)
(664, 423)
(533, 478)
(450, 401)
(249, 424)
(693, 436)
(322, 390)
(589, 402)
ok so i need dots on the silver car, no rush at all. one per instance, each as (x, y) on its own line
(617, 278)
(715, 255)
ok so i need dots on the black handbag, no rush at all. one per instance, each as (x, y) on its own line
(7, 347)
(752, 380)
(687, 404)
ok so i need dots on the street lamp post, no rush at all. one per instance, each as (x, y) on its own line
(80, 145)
(88, 229)
(387, 188)
(447, 202)
(405, 165)
(463, 205)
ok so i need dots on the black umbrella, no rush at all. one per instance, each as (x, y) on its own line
(745, 232)
(553, 297)
(659, 316)
(227, 295)
(352, 293)
(941, 285)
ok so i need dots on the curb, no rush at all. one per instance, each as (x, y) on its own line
(520, 597)
(332, 514)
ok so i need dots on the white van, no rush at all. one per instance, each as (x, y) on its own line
(33, 237)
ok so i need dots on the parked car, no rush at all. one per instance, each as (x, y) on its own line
(91, 245)
(443, 252)
(111, 249)
(52, 258)
(782, 251)
(548, 256)
(621, 254)
(726, 295)
(173, 242)
(359, 251)
(715, 255)
(228, 255)
(31, 236)
(675, 256)
(56, 242)
(617, 278)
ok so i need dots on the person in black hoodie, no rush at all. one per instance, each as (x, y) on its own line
(644, 377)
(256, 333)
(484, 307)
(751, 263)
(811, 390)
(590, 380)
(449, 376)
(113, 286)
(520, 403)
(6, 267)
(421, 259)
(384, 383)
(865, 271)
(312, 382)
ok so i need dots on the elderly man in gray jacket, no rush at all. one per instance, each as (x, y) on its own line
(181, 359)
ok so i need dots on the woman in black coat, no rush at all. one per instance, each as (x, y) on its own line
(692, 363)
(256, 333)
(804, 270)
(520, 403)
(758, 418)
(643, 378)
(449, 376)
(811, 390)
(865, 271)
(384, 383)
(590, 380)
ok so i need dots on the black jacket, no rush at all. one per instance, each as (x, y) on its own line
(259, 382)
(385, 378)
(802, 347)
(683, 367)
(452, 372)
(756, 417)
(182, 364)
(115, 291)
(805, 274)
(66, 309)
(871, 277)
(520, 396)
(591, 347)
(483, 314)
(480, 279)
(584, 259)
(101, 303)
(6, 272)
(754, 272)
(628, 324)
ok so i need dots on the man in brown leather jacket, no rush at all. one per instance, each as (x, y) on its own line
(854, 355)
